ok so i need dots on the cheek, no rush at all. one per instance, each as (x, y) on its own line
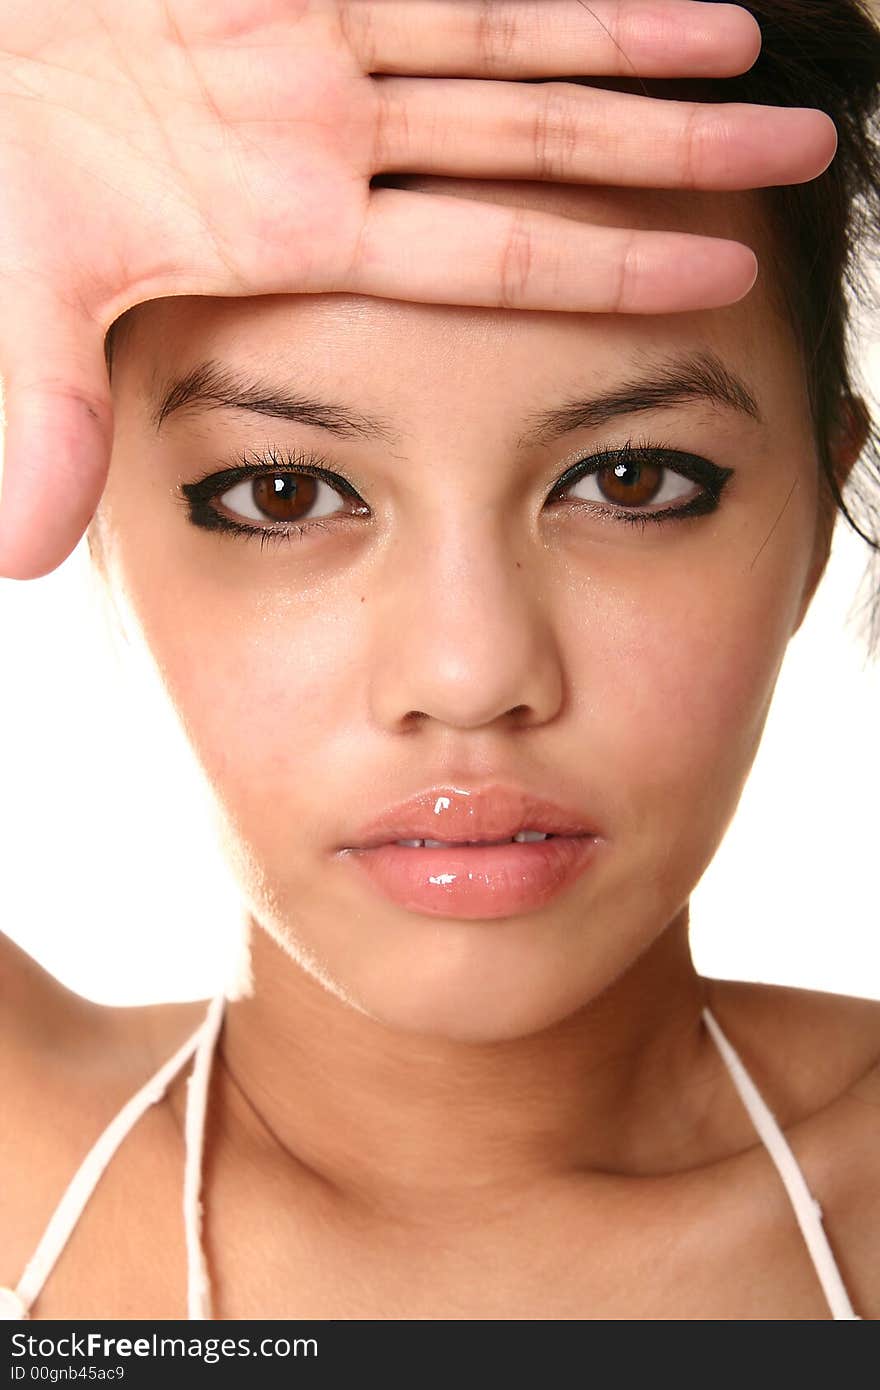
(673, 684)
(267, 692)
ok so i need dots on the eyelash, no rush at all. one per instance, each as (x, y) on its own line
(198, 496)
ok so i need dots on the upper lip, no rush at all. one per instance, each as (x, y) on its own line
(456, 815)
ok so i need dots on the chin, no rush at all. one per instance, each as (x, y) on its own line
(479, 984)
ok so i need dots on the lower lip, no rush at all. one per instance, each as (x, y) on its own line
(476, 880)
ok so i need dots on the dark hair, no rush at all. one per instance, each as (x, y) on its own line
(825, 233)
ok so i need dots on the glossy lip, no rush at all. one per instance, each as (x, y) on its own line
(469, 882)
(457, 816)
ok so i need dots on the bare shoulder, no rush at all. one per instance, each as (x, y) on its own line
(49, 1031)
(67, 1065)
(807, 1047)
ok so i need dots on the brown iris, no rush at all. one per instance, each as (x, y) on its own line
(279, 494)
(631, 484)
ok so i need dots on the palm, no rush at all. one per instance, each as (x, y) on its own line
(168, 147)
(185, 163)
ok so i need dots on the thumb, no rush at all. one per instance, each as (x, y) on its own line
(58, 430)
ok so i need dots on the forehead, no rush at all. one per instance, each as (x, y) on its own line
(349, 332)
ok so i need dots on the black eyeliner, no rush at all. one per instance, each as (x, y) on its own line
(694, 467)
(200, 494)
(712, 479)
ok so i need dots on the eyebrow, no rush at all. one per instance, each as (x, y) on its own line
(213, 385)
(697, 376)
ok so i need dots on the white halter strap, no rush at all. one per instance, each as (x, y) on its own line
(197, 1280)
(84, 1181)
(806, 1208)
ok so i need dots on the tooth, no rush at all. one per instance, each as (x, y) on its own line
(524, 837)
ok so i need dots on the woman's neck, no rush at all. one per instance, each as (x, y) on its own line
(409, 1124)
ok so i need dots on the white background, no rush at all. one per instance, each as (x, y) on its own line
(111, 877)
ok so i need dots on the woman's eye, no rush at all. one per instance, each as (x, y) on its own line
(644, 483)
(634, 485)
(281, 497)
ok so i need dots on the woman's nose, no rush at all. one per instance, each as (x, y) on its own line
(463, 635)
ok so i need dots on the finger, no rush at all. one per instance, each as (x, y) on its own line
(439, 249)
(58, 431)
(569, 133)
(543, 38)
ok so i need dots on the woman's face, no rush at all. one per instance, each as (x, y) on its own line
(453, 625)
